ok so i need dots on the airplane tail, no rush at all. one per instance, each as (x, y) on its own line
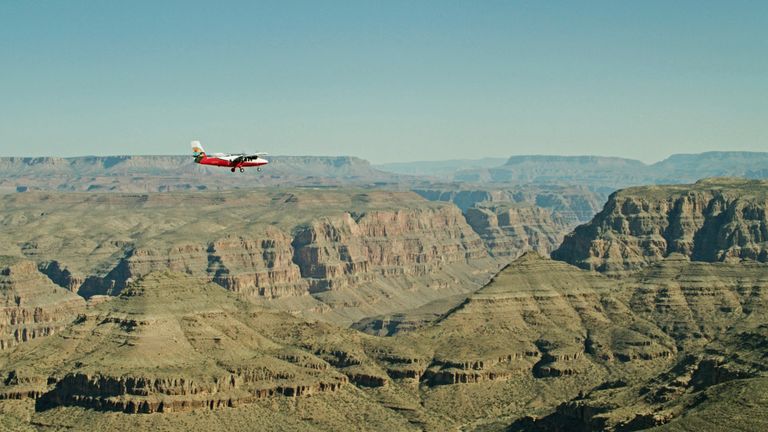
(197, 149)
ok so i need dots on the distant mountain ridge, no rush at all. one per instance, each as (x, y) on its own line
(145, 173)
(616, 172)
(439, 168)
(160, 164)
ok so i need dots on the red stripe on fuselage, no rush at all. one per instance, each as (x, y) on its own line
(225, 163)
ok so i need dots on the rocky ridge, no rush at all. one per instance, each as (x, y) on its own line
(136, 173)
(712, 220)
(571, 203)
(606, 174)
(570, 346)
(32, 306)
(328, 254)
(167, 343)
(508, 231)
(516, 218)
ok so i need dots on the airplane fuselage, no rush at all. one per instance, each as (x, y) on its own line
(230, 161)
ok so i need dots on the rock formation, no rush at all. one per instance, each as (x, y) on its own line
(675, 332)
(341, 251)
(325, 254)
(508, 231)
(712, 220)
(570, 203)
(167, 343)
(32, 306)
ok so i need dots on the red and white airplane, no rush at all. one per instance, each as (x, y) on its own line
(233, 161)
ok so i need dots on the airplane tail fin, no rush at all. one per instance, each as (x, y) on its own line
(197, 149)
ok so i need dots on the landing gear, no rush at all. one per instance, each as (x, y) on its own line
(258, 169)
(242, 169)
(233, 170)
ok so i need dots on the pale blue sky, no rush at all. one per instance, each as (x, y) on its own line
(384, 80)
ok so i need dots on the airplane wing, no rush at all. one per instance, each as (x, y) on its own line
(249, 156)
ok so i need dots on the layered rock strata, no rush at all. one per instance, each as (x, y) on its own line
(555, 321)
(32, 306)
(508, 231)
(712, 220)
(167, 343)
(570, 203)
(339, 252)
(385, 250)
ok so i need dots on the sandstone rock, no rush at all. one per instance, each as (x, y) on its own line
(324, 254)
(167, 343)
(713, 220)
(32, 306)
(508, 231)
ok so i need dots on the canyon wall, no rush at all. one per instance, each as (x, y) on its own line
(508, 231)
(384, 250)
(32, 306)
(712, 220)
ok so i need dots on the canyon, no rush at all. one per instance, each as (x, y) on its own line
(233, 309)
(544, 345)
(332, 255)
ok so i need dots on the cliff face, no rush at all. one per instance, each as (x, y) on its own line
(250, 266)
(712, 220)
(511, 230)
(514, 219)
(331, 254)
(697, 302)
(337, 252)
(167, 343)
(32, 306)
(603, 353)
(571, 203)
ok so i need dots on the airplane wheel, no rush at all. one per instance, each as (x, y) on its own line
(258, 169)
(233, 170)
(242, 169)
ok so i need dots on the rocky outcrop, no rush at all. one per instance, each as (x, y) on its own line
(508, 231)
(250, 266)
(712, 220)
(697, 302)
(554, 321)
(138, 395)
(333, 253)
(329, 255)
(168, 343)
(32, 306)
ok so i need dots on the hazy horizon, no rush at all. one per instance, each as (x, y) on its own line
(384, 81)
(425, 161)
